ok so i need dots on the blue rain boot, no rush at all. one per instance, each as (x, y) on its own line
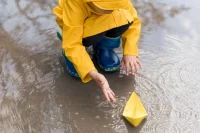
(70, 67)
(107, 58)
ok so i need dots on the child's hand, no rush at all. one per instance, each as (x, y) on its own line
(103, 84)
(132, 63)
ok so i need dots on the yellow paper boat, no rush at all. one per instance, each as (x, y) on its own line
(134, 111)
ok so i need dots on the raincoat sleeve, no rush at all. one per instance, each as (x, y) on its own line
(131, 37)
(73, 16)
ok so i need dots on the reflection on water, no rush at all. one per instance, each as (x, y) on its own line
(36, 94)
(152, 12)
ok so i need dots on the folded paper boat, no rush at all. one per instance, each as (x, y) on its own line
(134, 110)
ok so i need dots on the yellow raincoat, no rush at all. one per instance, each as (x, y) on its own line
(77, 21)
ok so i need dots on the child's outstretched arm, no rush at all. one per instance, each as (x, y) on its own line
(70, 17)
(73, 16)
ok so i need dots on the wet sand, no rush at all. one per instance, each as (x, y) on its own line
(38, 96)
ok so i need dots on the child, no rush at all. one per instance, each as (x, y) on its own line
(102, 24)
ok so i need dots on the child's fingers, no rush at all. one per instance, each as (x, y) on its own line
(136, 68)
(112, 97)
(138, 62)
(122, 65)
(112, 92)
(106, 95)
(127, 69)
(132, 68)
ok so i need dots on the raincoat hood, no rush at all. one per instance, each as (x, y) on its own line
(109, 4)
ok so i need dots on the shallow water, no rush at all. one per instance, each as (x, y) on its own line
(38, 96)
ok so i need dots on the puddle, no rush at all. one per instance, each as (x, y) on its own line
(38, 96)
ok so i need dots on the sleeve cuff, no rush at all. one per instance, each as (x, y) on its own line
(85, 77)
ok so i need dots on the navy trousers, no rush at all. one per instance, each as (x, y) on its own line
(115, 32)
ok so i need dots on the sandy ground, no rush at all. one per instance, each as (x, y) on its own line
(38, 96)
